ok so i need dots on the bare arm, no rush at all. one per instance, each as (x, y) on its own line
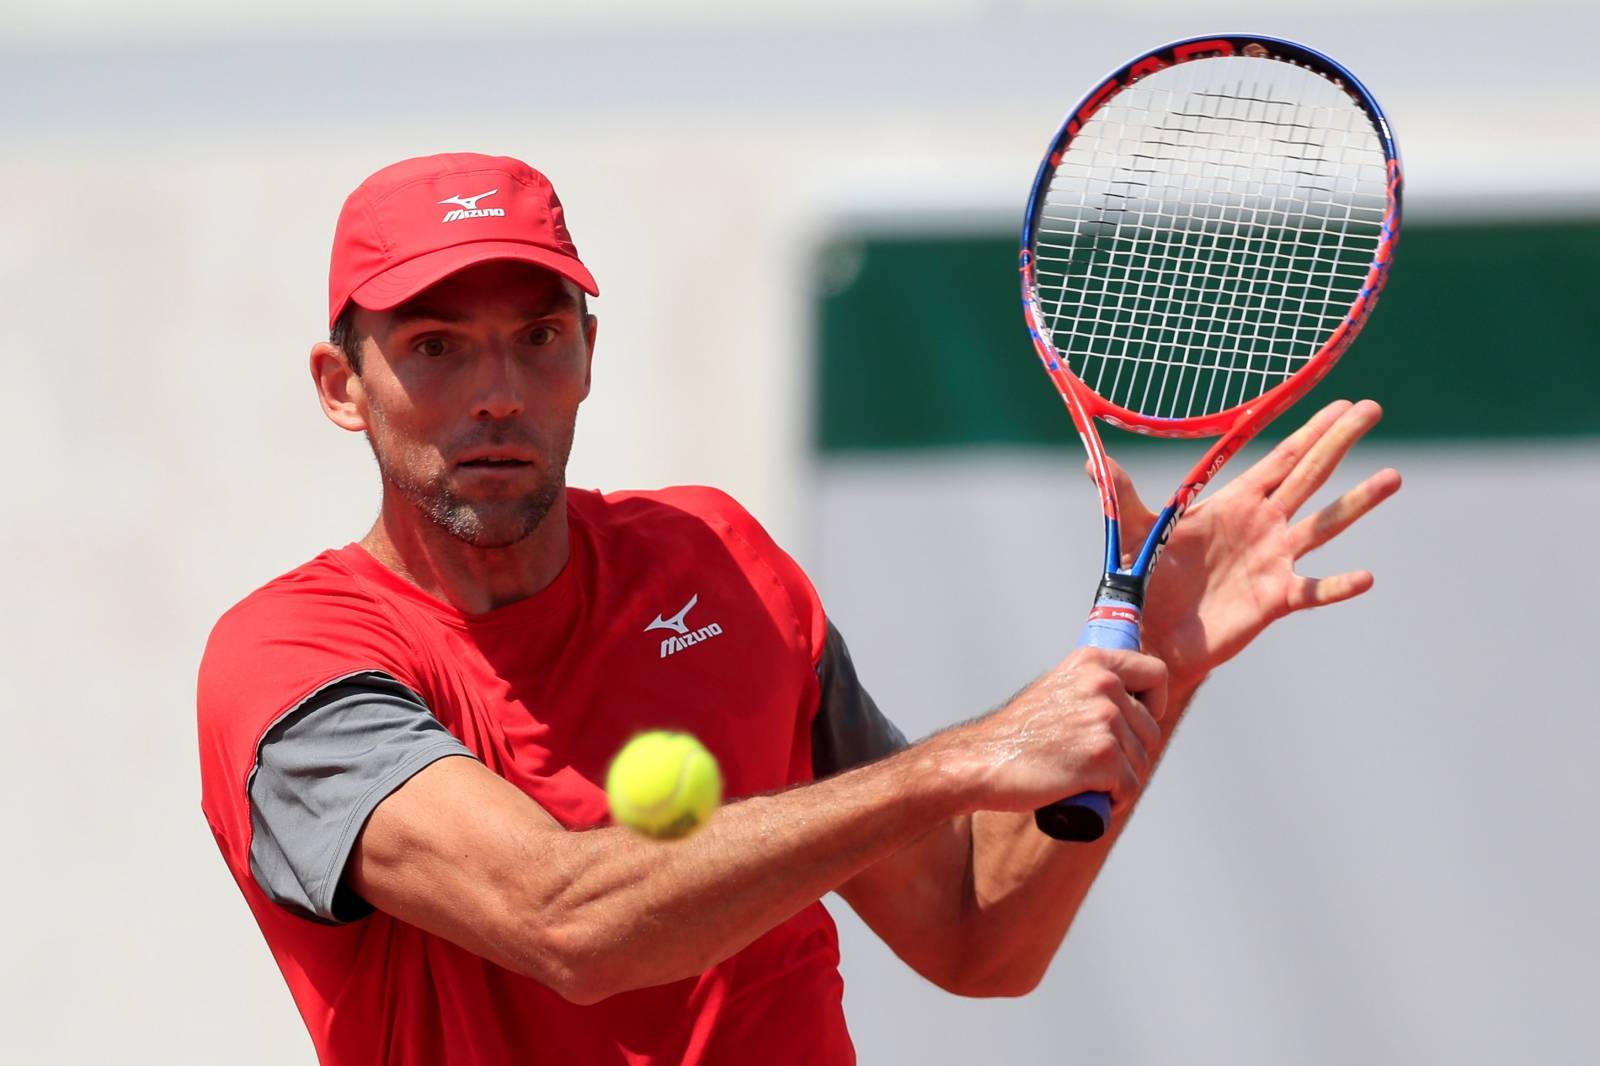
(981, 905)
(466, 855)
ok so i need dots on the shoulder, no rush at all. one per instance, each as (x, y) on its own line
(287, 639)
(689, 513)
(320, 579)
(318, 613)
(696, 516)
(678, 507)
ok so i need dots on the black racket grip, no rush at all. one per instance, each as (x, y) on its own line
(1077, 819)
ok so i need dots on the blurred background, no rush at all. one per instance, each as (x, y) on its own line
(1371, 841)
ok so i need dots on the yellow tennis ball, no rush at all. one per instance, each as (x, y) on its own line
(664, 785)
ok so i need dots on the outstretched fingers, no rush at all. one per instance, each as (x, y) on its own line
(1324, 455)
(1309, 592)
(1268, 473)
(1313, 531)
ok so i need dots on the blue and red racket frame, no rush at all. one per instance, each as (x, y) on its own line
(1114, 620)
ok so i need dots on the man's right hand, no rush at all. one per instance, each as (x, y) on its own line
(1088, 725)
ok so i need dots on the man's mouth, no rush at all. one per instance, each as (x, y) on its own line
(495, 457)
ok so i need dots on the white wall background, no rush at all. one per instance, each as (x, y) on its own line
(170, 173)
(1368, 842)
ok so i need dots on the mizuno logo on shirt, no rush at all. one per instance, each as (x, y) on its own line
(467, 207)
(685, 637)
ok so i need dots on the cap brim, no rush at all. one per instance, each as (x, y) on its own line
(402, 281)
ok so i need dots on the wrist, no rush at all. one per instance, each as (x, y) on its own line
(945, 773)
(1184, 673)
(1179, 692)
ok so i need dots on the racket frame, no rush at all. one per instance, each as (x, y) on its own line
(1115, 618)
(1236, 426)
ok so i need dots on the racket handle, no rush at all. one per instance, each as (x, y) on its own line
(1086, 816)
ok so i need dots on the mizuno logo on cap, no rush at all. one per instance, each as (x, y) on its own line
(468, 207)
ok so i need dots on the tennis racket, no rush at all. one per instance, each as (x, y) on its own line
(1208, 232)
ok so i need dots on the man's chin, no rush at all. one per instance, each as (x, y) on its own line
(477, 537)
(492, 527)
(486, 517)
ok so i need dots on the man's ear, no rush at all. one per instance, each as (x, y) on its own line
(338, 387)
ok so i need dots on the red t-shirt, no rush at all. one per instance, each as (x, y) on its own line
(545, 691)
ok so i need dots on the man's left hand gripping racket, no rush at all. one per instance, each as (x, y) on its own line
(1207, 234)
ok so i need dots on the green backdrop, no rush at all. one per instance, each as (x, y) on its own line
(1485, 330)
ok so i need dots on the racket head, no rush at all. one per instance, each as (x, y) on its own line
(1207, 233)
(1199, 219)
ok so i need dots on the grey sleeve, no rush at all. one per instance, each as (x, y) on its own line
(848, 730)
(321, 770)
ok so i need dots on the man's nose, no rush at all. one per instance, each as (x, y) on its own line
(500, 384)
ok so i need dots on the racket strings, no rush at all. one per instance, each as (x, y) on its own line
(1202, 237)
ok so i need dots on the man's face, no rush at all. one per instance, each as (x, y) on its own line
(470, 391)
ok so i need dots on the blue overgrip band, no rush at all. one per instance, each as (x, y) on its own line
(1112, 624)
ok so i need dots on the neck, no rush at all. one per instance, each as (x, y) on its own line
(472, 580)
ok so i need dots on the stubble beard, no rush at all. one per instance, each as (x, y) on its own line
(486, 524)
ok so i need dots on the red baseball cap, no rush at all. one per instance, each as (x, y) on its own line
(415, 223)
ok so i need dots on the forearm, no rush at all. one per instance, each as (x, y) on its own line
(632, 913)
(670, 911)
(1228, 572)
(1027, 888)
(464, 854)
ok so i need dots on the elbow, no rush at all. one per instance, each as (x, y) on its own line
(1001, 985)
(983, 974)
(574, 977)
(1011, 987)
(585, 962)
(572, 980)
(565, 958)
(585, 976)
(580, 943)
(583, 994)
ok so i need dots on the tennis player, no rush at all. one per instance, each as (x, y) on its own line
(402, 740)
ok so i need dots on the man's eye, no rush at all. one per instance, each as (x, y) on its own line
(541, 335)
(432, 347)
